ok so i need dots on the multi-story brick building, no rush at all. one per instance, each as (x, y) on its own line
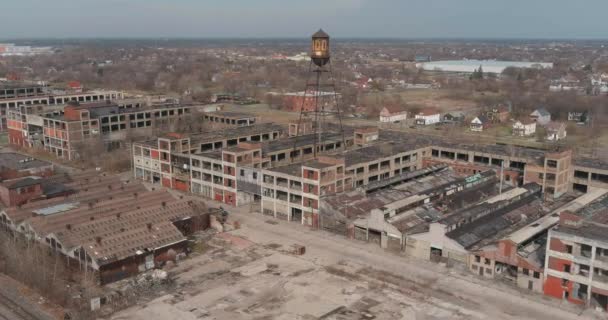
(577, 257)
(60, 131)
(215, 171)
(224, 165)
(293, 192)
(13, 95)
(588, 174)
(222, 119)
(307, 101)
(15, 90)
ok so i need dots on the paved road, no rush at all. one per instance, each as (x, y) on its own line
(495, 300)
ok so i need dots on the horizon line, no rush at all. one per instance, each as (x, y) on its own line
(169, 38)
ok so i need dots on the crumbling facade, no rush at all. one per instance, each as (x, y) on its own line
(577, 258)
(60, 131)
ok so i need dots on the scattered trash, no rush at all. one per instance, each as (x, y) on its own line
(298, 250)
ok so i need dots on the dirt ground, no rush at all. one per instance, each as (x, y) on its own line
(251, 273)
(438, 98)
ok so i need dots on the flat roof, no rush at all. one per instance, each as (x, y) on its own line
(230, 114)
(591, 163)
(497, 223)
(358, 203)
(58, 208)
(374, 152)
(18, 161)
(233, 133)
(482, 207)
(18, 85)
(586, 230)
(303, 140)
(315, 164)
(294, 169)
(416, 140)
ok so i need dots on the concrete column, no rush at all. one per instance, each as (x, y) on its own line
(383, 240)
(288, 204)
(593, 248)
(262, 205)
(274, 196)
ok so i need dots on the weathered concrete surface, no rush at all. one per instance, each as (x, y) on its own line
(337, 278)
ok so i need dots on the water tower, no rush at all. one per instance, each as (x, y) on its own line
(319, 99)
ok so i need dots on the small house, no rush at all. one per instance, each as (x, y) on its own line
(428, 116)
(454, 117)
(479, 123)
(541, 116)
(422, 58)
(392, 114)
(580, 117)
(524, 128)
(555, 131)
(75, 86)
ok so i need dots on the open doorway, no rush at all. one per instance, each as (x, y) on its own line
(374, 236)
(436, 254)
(296, 215)
(599, 300)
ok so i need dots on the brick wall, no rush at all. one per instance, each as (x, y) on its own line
(557, 245)
(558, 264)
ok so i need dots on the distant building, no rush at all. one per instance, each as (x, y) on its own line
(524, 128)
(422, 58)
(15, 165)
(555, 131)
(428, 116)
(229, 119)
(60, 131)
(488, 66)
(10, 49)
(479, 123)
(541, 116)
(19, 191)
(580, 117)
(499, 114)
(565, 84)
(306, 101)
(14, 94)
(599, 84)
(454, 117)
(75, 86)
(393, 113)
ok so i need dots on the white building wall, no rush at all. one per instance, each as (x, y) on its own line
(430, 119)
(394, 118)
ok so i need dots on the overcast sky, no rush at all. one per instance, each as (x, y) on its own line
(298, 18)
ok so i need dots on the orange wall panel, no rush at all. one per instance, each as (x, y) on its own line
(166, 182)
(557, 245)
(558, 264)
(553, 287)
